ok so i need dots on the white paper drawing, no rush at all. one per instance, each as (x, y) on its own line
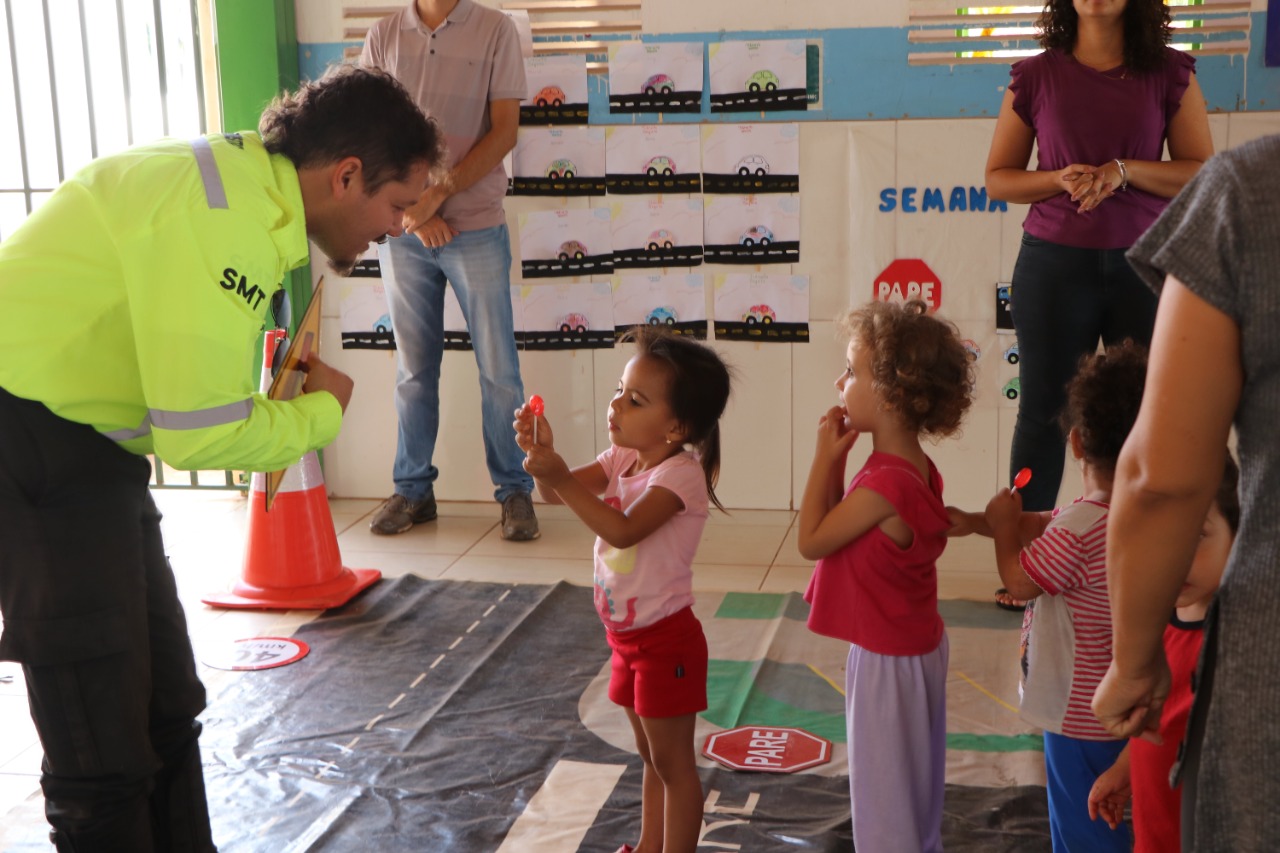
(653, 158)
(560, 161)
(750, 76)
(761, 306)
(562, 315)
(557, 90)
(653, 232)
(751, 158)
(751, 229)
(565, 243)
(649, 78)
(677, 301)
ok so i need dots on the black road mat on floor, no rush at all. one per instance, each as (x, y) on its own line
(429, 714)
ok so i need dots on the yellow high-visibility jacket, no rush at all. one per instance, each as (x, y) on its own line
(133, 299)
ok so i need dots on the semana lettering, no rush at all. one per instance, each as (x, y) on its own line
(957, 200)
(251, 294)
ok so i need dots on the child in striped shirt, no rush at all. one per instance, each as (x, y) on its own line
(1057, 561)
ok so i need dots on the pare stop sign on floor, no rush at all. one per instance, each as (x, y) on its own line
(769, 750)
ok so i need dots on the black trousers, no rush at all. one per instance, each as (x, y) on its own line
(92, 614)
(1065, 300)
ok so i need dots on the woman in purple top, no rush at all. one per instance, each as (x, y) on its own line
(1099, 105)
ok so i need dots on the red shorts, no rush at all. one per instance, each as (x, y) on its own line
(660, 670)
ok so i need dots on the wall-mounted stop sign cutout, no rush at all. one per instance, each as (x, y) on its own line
(906, 279)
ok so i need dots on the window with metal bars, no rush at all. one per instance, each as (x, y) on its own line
(943, 33)
(83, 78)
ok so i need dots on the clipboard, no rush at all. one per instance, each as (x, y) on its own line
(292, 375)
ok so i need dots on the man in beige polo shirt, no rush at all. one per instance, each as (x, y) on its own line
(462, 63)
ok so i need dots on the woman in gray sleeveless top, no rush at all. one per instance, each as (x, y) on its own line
(1215, 362)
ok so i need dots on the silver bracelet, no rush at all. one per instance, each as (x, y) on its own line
(1124, 174)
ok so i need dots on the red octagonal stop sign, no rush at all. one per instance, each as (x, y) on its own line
(908, 278)
(771, 750)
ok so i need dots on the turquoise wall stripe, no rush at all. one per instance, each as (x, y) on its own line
(865, 76)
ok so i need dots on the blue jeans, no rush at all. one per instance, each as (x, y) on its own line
(478, 265)
(1064, 300)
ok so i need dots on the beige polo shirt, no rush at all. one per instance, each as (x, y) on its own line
(454, 72)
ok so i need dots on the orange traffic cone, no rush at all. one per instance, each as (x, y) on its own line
(291, 557)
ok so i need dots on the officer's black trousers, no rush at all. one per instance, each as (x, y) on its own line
(92, 614)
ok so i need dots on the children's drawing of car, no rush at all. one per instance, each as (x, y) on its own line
(759, 314)
(756, 234)
(572, 250)
(382, 324)
(971, 347)
(1012, 388)
(1011, 354)
(549, 96)
(658, 84)
(661, 239)
(662, 315)
(762, 79)
(561, 169)
(660, 165)
(753, 164)
(574, 323)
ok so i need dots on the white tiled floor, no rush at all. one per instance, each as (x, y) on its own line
(748, 550)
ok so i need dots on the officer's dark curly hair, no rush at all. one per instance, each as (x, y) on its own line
(1103, 400)
(353, 112)
(1146, 31)
(918, 365)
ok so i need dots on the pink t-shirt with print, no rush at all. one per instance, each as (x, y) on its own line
(640, 585)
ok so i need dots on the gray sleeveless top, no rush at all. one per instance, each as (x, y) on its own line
(1221, 238)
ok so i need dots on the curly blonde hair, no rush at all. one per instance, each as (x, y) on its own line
(918, 366)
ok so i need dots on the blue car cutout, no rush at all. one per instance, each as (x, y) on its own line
(382, 324)
(663, 315)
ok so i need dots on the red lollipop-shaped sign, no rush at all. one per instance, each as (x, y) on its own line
(1021, 479)
(537, 407)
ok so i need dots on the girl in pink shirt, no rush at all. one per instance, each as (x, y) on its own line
(877, 544)
(646, 498)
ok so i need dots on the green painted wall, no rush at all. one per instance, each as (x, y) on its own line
(257, 55)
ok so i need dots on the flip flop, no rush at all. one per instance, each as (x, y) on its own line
(1016, 608)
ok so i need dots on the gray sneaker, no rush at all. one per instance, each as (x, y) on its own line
(519, 524)
(397, 514)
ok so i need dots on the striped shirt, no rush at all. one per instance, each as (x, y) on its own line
(1067, 633)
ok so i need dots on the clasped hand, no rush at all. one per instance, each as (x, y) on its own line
(423, 221)
(1089, 186)
(541, 459)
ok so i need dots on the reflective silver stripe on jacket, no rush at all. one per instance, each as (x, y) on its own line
(199, 419)
(214, 192)
(140, 430)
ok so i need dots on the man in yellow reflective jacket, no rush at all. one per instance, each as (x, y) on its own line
(133, 300)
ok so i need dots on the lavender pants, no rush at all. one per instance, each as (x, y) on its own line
(896, 718)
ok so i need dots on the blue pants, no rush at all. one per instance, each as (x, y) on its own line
(1071, 767)
(92, 613)
(1064, 301)
(478, 266)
